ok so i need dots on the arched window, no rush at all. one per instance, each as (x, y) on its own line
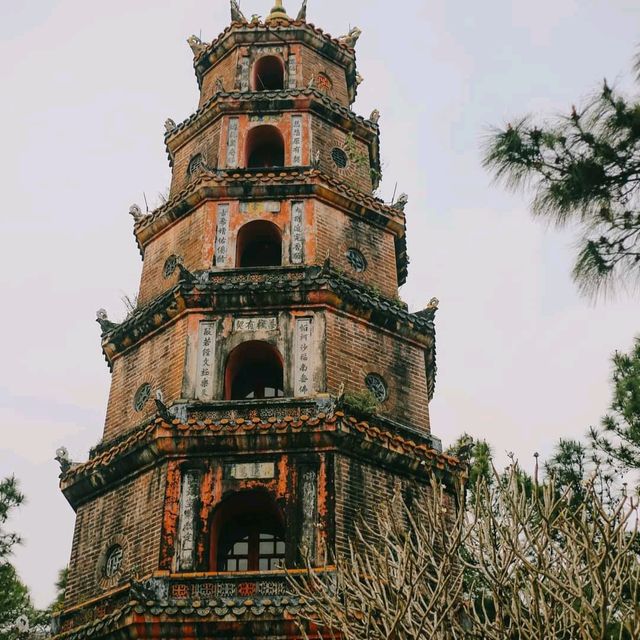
(254, 371)
(264, 147)
(268, 74)
(247, 534)
(259, 244)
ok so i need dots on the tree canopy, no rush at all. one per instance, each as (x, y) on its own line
(584, 169)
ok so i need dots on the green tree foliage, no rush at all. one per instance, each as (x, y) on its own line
(478, 457)
(618, 436)
(584, 169)
(61, 585)
(10, 497)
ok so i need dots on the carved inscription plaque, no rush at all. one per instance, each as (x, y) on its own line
(206, 360)
(296, 140)
(232, 143)
(297, 232)
(187, 520)
(244, 74)
(255, 324)
(222, 235)
(293, 69)
(304, 357)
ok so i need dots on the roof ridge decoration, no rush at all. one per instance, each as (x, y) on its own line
(278, 12)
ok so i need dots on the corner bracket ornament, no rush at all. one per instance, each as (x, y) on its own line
(351, 38)
(236, 14)
(434, 303)
(63, 459)
(197, 46)
(169, 125)
(105, 324)
(136, 212)
(375, 116)
(401, 202)
(302, 14)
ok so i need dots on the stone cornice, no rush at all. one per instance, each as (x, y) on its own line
(292, 31)
(275, 287)
(273, 101)
(160, 438)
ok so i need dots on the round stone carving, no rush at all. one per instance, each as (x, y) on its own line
(339, 157)
(170, 266)
(356, 260)
(113, 561)
(142, 395)
(377, 386)
(195, 164)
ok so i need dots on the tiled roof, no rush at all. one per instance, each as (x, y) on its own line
(211, 289)
(336, 422)
(283, 94)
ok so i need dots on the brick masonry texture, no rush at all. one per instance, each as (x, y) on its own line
(337, 232)
(360, 489)
(207, 144)
(355, 349)
(130, 515)
(158, 361)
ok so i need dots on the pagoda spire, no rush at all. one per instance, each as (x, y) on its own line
(278, 11)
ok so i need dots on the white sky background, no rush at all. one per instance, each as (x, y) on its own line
(86, 87)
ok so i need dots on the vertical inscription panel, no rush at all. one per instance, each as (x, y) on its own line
(303, 374)
(232, 143)
(206, 360)
(309, 492)
(296, 140)
(189, 492)
(293, 70)
(244, 74)
(222, 235)
(297, 233)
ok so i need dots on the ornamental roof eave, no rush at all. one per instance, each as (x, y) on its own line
(229, 290)
(242, 34)
(160, 438)
(272, 101)
(240, 184)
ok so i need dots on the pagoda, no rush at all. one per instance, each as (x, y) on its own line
(270, 388)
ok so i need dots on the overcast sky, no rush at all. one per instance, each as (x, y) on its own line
(87, 85)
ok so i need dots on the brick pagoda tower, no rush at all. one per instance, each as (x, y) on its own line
(270, 386)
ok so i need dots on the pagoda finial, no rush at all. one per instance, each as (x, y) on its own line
(278, 11)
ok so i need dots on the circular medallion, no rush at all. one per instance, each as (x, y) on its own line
(113, 561)
(339, 157)
(356, 260)
(142, 395)
(377, 386)
(170, 266)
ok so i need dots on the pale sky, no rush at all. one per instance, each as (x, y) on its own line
(86, 87)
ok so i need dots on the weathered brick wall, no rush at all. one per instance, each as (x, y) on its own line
(191, 238)
(337, 232)
(355, 349)
(226, 70)
(361, 490)
(325, 137)
(314, 64)
(160, 362)
(207, 143)
(131, 514)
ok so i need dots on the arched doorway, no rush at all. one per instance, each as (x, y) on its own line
(259, 244)
(268, 74)
(264, 147)
(247, 534)
(254, 371)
